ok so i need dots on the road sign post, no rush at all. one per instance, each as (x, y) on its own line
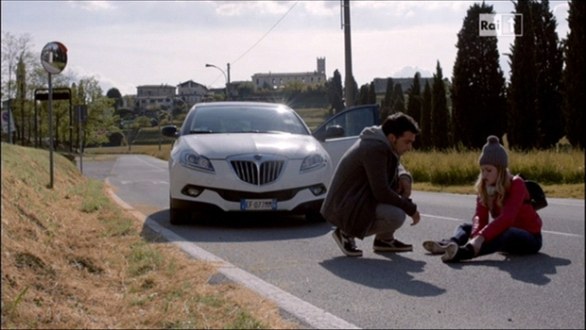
(81, 118)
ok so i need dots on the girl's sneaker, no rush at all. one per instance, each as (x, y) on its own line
(436, 247)
(455, 253)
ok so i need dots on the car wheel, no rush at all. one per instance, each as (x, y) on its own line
(179, 216)
(314, 217)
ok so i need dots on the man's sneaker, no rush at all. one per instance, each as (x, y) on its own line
(436, 247)
(346, 244)
(391, 246)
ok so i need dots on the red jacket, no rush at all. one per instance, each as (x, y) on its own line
(514, 213)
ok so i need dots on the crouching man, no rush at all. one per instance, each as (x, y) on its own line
(367, 195)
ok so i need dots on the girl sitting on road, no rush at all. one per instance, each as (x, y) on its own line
(516, 226)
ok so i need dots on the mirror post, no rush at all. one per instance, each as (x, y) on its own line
(51, 143)
(53, 60)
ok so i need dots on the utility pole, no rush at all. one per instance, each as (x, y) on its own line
(228, 81)
(349, 81)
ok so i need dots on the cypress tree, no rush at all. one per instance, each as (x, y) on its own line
(535, 117)
(425, 120)
(414, 103)
(354, 91)
(548, 63)
(362, 95)
(387, 99)
(522, 120)
(335, 93)
(439, 112)
(371, 93)
(478, 84)
(397, 99)
(573, 75)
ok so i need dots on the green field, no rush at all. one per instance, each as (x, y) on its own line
(313, 116)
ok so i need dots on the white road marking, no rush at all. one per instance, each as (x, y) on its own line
(462, 220)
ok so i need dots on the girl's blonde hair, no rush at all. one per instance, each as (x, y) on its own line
(501, 187)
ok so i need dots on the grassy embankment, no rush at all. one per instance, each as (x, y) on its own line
(71, 258)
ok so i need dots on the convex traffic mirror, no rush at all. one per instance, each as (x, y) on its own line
(54, 57)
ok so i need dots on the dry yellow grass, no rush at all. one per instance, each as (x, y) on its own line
(73, 259)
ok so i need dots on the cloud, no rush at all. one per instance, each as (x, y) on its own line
(244, 8)
(92, 5)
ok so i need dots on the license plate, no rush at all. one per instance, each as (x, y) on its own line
(258, 204)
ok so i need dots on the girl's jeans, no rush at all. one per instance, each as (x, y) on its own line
(513, 241)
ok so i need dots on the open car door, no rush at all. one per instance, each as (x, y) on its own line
(341, 130)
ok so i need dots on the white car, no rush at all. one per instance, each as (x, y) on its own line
(245, 157)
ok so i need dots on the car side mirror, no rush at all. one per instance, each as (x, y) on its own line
(334, 131)
(170, 131)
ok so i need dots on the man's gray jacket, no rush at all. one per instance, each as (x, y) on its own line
(367, 174)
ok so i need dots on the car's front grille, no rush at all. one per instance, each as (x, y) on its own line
(258, 173)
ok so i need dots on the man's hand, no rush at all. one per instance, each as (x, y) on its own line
(415, 217)
(404, 186)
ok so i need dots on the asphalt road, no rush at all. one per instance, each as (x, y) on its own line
(403, 290)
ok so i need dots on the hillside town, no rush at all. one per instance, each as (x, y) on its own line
(149, 98)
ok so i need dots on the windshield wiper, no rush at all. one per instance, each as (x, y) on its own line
(259, 131)
(201, 131)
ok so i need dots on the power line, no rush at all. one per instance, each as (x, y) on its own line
(267, 33)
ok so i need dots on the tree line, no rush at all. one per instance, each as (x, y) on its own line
(543, 102)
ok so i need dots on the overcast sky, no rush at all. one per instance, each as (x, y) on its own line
(125, 44)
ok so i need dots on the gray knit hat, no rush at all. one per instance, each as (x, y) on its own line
(493, 153)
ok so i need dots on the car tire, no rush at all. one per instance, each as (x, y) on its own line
(314, 217)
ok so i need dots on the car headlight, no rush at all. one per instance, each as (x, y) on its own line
(313, 162)
(195, 161)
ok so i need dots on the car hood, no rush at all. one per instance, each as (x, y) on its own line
(220, 146)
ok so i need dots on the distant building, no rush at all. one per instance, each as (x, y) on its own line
(279, 80)
(155, 97)
(151, 98)
(191, 92)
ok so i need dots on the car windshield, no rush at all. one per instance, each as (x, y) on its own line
(244, 119)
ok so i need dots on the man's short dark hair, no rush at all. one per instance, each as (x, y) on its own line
(398, 123)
